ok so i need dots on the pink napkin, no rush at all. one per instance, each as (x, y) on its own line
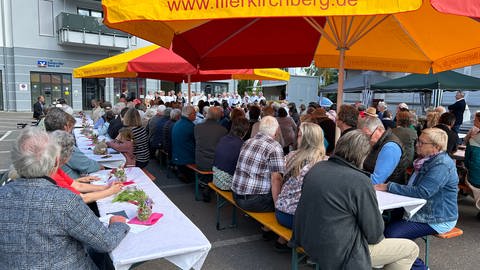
(126, 183)
(152, 220)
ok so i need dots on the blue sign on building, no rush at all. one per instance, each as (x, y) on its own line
(42, 63)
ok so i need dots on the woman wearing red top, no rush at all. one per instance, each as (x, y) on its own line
(88, 192)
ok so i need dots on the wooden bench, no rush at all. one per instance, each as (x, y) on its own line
(164, 155)
(455, 232)
(194, 168)
(267, 219)
(151, 176)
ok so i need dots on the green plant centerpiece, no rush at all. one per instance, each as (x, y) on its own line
(120, 174)
(140, 198)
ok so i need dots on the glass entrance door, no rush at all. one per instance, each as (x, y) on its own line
(92, 89)
(52, 86)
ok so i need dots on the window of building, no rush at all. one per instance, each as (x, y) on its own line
(52, 86)
(45, 18)
(90, 12)
(130, 87)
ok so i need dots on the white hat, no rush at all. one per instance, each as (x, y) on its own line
(403, 105)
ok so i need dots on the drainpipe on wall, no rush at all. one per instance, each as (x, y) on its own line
(4, 49)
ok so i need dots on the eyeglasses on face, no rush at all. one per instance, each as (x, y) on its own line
(420, 142)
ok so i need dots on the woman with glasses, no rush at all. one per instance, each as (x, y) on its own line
(434, 179)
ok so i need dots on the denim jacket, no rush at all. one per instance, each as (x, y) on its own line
(436, 182)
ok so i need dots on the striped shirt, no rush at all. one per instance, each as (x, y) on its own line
(140, 149)
(259, 157)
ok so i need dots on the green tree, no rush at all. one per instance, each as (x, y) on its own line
(244, 86)
(326, 75)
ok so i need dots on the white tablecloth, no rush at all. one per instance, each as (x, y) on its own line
(115, 159)
(79, 122)
(174, 237)
(388, 200)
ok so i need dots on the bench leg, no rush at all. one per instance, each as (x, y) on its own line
(197, 187)
(427, 248)
(221, 202)
(294, 259)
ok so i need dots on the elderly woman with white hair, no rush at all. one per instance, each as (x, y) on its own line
(435, 179)
(55, 223)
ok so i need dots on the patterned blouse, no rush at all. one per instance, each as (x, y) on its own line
(291, 192)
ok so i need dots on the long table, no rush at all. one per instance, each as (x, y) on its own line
(174, 237)
(85, 145)
(388, 200)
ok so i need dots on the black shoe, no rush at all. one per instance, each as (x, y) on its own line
(282, 248)
(268, 235)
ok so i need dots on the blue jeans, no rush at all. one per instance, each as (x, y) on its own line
(409, 230)
(284, 219)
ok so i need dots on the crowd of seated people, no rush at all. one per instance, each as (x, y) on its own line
(268, 153)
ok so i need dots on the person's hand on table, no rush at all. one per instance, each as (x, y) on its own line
(381, 187)
(115, 187)
(120, 219)
(88, 179)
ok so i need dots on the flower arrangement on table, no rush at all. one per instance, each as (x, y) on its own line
(101, 148)
(139, 198)
(119, 173)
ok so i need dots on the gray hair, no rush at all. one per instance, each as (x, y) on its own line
(66, 143)
(370, 123)
(55, 119)
(215, 113)
(34, 154)
(167, 112)
(175, 114)
(268, 126)
(353, 147)
(187, 110)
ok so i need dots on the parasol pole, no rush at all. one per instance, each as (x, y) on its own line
(341, 76)
(189, 89)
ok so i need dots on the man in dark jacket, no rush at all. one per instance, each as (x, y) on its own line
(116, 124)
(458, 108)
(183, 143)
(207, 135)
(39, 108)
(337, 221)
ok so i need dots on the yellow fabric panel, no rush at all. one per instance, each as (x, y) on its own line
(177, 10)
(264, 74)
(408, 42)
(115, 66)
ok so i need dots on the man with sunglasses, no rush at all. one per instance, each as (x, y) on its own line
(387, 160)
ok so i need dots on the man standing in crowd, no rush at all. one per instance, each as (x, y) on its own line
(39, 108)
(258, 177)
(347, 118)
(207, 135)
(387, 161)
(458, 108)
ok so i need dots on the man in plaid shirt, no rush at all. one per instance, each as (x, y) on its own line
(258, 177)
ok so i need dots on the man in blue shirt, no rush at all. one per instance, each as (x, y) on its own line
(387, 160)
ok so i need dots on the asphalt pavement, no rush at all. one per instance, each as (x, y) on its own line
(242, 247)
